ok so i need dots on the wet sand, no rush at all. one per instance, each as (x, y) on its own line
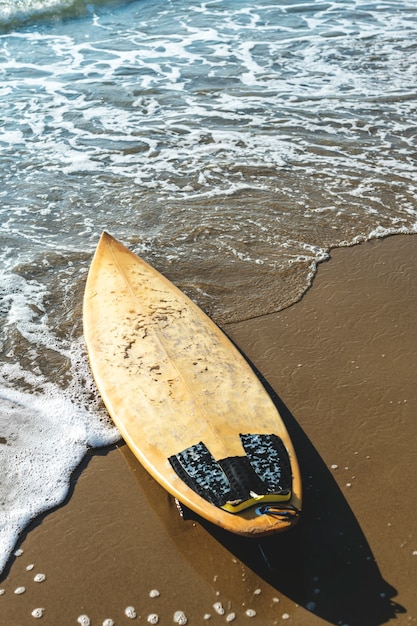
(341, 365)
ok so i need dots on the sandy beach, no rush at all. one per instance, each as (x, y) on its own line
(341, 366)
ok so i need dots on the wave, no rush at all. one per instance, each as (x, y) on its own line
(15, 14)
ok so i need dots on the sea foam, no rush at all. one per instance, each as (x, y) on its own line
(44, 435)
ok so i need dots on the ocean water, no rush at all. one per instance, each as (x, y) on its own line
(231, 144)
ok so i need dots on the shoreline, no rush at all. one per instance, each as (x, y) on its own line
(342, 361)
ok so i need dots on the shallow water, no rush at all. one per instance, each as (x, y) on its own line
(231, 145)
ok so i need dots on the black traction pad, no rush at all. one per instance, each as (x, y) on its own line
(265, 469)
(199, 470)
(269, 458)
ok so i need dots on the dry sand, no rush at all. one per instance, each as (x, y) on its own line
(343, 362)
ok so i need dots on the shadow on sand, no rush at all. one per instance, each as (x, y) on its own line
(324, 564)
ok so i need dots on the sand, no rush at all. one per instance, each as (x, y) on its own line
(342, 362)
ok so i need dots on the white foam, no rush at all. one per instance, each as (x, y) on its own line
(318, 74)
(130, 612)
(218, 607)
(45, 429)
(44, 437)
(180, 618)
(14, 14)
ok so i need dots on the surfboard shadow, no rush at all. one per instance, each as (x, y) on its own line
(324, 564)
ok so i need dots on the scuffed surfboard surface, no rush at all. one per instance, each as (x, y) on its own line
(170, 378)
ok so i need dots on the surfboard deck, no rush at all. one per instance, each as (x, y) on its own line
(182, 396)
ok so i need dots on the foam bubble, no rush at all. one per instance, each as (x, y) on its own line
(130, 612)
(218, 607)
(180, 618)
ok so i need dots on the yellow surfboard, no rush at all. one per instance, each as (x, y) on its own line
(185, 400)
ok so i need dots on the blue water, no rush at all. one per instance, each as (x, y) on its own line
(232, 144)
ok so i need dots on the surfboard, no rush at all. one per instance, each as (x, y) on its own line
(185, 400)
